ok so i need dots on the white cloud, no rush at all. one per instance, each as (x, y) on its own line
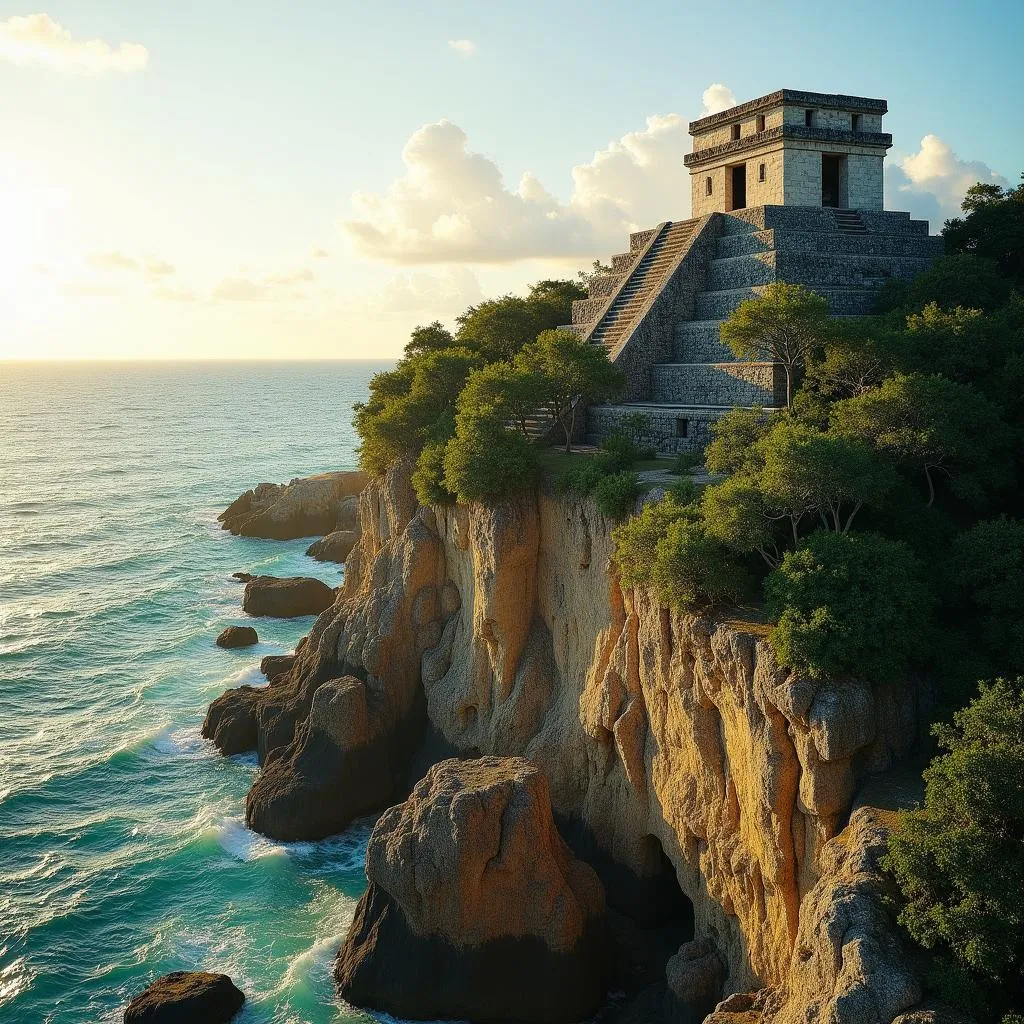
(36, 39)
(118, 261)
(452, 204)
(451, 289)
(176, 294)
(463, 47)
(319, 253)
(246, 288)
(931, 183)
(717, 97)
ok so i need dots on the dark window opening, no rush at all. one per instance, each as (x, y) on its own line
(735, 132)
(830, 180)
(707, 186)
(739, 187)
(760, 172)
(855, 122)
(760, 122)
(809, 118)
(682, 427)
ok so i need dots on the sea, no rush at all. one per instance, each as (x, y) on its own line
(123, 847)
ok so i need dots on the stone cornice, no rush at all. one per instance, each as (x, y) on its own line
(826, 100)
(712, 154)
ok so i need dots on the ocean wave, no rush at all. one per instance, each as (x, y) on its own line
(242, 843)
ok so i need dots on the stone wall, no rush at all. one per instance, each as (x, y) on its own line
(651, 342)
(724, 384)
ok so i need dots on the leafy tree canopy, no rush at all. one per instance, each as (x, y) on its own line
(934, 426)
(784, 324)
(960, 859)
(992, 227)
(849, 605)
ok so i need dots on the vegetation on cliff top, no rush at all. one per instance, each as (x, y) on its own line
(465, 406)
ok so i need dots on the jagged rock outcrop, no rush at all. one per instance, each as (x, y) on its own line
(237, 636)
(476, 908)
(679, 756)
(304, 507)
(847, 965)
(286, 598)
(184, 997)
(335, 547)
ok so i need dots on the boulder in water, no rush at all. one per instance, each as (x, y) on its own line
(238, 636)
(335, 547)
(476, 908)
(231, 720)
(185, 997)
(305, 507)
(286, 598)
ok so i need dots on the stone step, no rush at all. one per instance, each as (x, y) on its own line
(697, 341)
(741, 271)
(670, 427)
(832, 242)
(718, 384)
(717, 305)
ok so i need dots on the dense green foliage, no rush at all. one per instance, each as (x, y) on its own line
(849, 605)
(460, 405)
(784, 324)
(960, 860)
(992, 227)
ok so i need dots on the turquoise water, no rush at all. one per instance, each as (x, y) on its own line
(123, 851)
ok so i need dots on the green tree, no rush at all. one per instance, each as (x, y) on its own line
(845, 605)
(636, 540)
(694, 571)
(993, 227)
(784, 324)
(985, 572)
(934, 426)
(959, 860)
(506, 392)
(793, 474)
(615, 494)
(432, 338)
(858, 356)
(575, 373)
(733, 438)
(499, 328)
(486, 460)
(428, 476)
(411, 405)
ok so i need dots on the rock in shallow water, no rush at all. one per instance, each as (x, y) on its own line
(238, 636)
(476, 908)
(305, 507)
(186, 997)
(335, 547)
(286, 598)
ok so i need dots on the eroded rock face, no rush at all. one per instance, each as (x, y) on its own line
(660, 734)
(184, 997)
(286, 598)
(305, 507)
(476, 908)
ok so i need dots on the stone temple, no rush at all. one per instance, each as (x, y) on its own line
(787, 187)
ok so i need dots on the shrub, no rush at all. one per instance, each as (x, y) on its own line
(637, 539)
(693, 571)
(616, 495)
(684, 490)
(849, 605)
(685, 463)
(582, 479)
(959, 861)
(987, 568)
(733, 439)
(428, 476)
(624, 449)
(485, 460)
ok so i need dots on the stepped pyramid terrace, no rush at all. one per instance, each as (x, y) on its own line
(786, 187)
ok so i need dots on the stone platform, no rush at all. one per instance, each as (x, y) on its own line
(693, 275)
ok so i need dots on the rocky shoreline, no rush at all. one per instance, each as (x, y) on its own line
(700, 781)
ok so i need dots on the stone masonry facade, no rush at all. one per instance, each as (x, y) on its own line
(810, 165)
(790, 148)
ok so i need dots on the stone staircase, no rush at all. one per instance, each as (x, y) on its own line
(644, 280)
(843, 255)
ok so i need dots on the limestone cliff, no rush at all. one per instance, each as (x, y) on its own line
(661, 734)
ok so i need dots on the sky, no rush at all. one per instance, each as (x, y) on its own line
(312, 179)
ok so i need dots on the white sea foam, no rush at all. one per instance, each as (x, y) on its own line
(181, 742)
(244, 844)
